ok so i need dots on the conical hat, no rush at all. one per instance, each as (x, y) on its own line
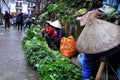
(48, 22)
(98, 36)
(56, 24)
(33, 17)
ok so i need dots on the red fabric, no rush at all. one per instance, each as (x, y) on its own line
(49, 30)
(55, 36)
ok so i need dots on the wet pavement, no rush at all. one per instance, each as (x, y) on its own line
(12, 63)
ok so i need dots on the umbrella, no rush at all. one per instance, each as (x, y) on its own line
(98, 36)
(26, 15)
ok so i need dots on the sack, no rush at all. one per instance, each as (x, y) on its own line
(87, 16)
(68, 46)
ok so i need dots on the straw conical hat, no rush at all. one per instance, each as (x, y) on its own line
(56, 24)
(98, 36)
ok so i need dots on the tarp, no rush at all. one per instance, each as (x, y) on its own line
(26, 15)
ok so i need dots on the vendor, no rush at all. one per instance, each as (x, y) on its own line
(48, 29)
(53, 33)
(58, 33)
(92, 41)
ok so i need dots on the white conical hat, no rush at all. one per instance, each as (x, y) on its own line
(56, 24)
(33, 17)
(98, 36)
(48, 22)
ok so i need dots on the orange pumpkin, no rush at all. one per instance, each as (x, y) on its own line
(68, 46)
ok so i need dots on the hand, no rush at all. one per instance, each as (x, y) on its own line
(40, 34)
(78, 18)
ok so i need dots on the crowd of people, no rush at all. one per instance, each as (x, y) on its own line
(53, 31)
(20, 21)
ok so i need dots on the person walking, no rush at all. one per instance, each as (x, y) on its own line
(19, 21)
(7, 20)
(28, 22)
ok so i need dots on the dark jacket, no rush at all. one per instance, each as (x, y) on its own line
(19, 18)
(7, 17)
(60, 34)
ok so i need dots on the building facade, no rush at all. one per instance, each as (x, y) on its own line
(21, 6)
(3, 7)
(41, 6)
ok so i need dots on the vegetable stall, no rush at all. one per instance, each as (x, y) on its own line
(49, 64)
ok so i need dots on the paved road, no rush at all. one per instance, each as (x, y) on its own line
(12, 63)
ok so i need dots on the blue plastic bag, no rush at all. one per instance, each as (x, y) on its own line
(118, 8)
(80, 58)
(113, 3)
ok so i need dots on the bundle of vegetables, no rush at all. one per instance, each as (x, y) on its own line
(51, 65)
(57, 67)
(35, 40)
(30, 34)
(35, 53)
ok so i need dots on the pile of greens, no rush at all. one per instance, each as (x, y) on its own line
(50, 64)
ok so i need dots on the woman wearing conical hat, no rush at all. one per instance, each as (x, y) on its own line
(58, 33)
(98, 38)
(53, 34)
(48, 29)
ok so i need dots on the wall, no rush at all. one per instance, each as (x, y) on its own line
(24, 7)
(4, 6)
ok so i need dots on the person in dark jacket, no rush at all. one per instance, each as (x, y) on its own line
(7, 19)
(19, 21)
(58, 33)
